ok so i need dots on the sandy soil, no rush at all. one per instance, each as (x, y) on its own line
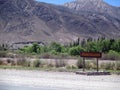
(59, 80)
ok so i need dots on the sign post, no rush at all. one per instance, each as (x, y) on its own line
(91, 55)
(96, 55)
(83, 64)
(97, 65)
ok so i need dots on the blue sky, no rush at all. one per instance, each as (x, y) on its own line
(112, 2)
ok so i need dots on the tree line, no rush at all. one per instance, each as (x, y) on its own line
(89, 45)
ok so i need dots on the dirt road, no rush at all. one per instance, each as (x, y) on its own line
(57, 80)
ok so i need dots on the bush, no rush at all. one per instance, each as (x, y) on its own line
(117, 65)
(3, 54)
(1, 62)
(21, 61)
(56, 47)
(80, 63)
(37, 63)
(112, 55)
(90, 65)
(108, 66)
(53, 52)
(27, 64)
(75, 50)
(60, 63)
(71, 67)
(74, 67)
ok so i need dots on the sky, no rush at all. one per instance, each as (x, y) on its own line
(60, 2)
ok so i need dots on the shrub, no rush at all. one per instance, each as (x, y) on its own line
(1, 62)
(36, 63)
(74, 67)
(80, 63)
(3, 54)
(9, 60)
(107, 66)
(21, 61)
(117, 65)
(75, 50)
(53, 52)
(71, 67)
(27, 64)
(60, 63)
(56, 47)
(90, 65)
(111, 55)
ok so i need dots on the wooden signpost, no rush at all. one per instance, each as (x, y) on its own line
(91, 55)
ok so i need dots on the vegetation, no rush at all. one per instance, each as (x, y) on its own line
(109, 47)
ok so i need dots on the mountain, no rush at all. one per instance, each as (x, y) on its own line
(29, 20)
(94, 6)
(104, 17)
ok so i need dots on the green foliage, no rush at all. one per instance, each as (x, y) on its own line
(110, 47)
(92, 47)
(111, 55)
(114, 55)
(56, 47)
(35, 49)
(116, 46)
(76, 50)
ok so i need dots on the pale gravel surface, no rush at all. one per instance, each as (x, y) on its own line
(58, 80)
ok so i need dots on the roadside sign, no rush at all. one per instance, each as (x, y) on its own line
(91, 54)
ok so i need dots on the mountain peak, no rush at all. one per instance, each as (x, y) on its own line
(89, 0)
(91, 5)
(78, 4)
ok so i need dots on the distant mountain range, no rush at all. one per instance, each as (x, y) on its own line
(29, 20)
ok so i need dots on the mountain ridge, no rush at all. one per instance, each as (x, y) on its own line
(29, 20)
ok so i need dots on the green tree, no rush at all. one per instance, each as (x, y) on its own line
(56, 47)
(105, 45)
(36, 48)
(83, 43)
(75, 50)
(93, 47)
(116, 46)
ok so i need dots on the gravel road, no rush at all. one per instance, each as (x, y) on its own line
(57, 80)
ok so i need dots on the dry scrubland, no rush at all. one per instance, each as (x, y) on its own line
(60, 64)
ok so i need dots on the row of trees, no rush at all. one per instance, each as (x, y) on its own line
(89, 45)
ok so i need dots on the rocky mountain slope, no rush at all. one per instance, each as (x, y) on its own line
(94, 6)
(29, 20)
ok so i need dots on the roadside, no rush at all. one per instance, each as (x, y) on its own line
(59, 65)
(58, 80)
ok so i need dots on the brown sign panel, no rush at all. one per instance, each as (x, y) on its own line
(91, 54)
